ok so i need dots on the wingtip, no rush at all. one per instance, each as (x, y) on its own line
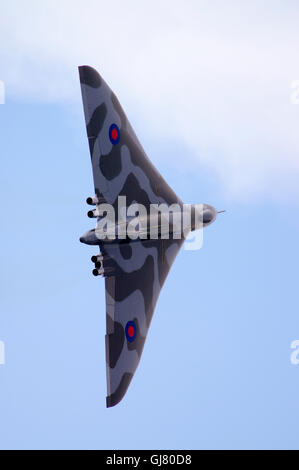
(112, 400)
(110, 403)
(117, 396)
(89, 76)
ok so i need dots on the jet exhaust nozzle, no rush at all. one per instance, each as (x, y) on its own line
(95, 200)
(92, 214)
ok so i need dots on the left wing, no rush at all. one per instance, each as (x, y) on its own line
(136, 272)
(119, 163)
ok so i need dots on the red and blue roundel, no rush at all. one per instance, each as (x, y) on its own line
(114, 134)
(131, 331)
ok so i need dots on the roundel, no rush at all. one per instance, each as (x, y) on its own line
(114, 134)
(130, 331)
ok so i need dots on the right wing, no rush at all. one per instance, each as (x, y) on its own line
(137, 271)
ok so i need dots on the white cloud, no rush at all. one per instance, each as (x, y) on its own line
(215, 75)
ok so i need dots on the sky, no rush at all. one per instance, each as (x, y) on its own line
(211, 91)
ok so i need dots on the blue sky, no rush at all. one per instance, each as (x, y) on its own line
(216, 369)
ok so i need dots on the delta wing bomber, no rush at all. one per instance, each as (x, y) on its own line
(141, 226)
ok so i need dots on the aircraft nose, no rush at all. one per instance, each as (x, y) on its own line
(209, 214)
